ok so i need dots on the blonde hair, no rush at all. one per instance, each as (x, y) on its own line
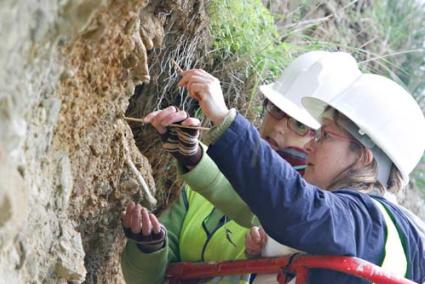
(363, 179)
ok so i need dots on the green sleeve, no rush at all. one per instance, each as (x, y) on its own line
(206, 179)
(218, 130)
(140, 267)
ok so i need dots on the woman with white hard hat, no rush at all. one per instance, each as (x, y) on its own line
(370, 140)
(318, 74)
(286, 127)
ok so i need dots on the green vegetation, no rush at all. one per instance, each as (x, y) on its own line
(402, 31)
(245, 38)
(244, 34)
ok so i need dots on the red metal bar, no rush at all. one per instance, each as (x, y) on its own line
(300, 265)
(281, 278)
(349, 265)
(301, 276)
(192, 270)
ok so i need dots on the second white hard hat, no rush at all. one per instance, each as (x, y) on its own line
(383, 111)
(319, 74)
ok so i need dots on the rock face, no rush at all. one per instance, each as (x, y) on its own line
(68, 162)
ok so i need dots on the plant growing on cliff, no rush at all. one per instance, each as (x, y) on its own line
(244, 33)
(246, 48)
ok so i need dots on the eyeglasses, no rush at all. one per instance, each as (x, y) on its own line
(323, 135)
(296, 126)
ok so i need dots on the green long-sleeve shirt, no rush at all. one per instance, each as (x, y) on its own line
(207, 180)
(196, 231)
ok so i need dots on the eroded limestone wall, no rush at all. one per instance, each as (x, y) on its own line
(68, 162)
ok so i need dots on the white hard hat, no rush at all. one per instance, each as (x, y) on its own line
(386, 113)
(316, 73)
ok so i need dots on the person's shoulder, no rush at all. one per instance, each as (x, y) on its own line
(402, 215)
(391, 206)
(360, 205)
(352, 195)
(409, 224)
(366, 200)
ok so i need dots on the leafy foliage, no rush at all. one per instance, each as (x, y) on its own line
(245, 32)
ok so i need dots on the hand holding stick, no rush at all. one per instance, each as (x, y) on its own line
(172, 124)
(206, 89)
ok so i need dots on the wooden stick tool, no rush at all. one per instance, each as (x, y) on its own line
(173, 124)
(178, 68)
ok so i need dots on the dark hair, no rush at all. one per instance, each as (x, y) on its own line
(395, 182)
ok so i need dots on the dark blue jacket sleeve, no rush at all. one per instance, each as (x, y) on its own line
(292, 211)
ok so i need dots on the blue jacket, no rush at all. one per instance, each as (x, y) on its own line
(302, 216)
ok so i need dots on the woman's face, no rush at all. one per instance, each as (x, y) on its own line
(329, 155)
(276, 132)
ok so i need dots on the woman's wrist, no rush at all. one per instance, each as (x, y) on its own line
(147, 244)
(218, 130)
(220, 117)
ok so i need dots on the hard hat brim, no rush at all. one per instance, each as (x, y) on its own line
(295, 111)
